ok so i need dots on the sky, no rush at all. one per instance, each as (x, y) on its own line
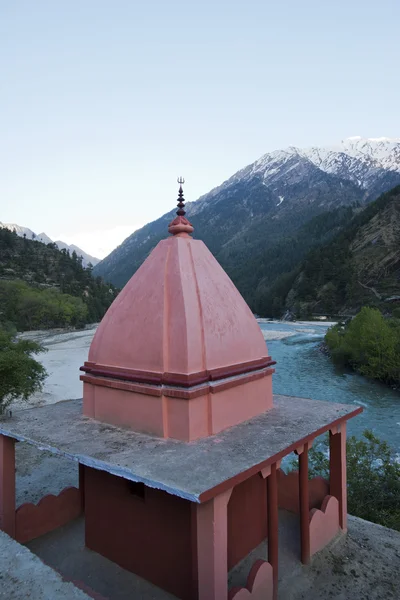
(103, 103)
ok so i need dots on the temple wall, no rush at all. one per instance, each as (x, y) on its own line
(247, 518)
(234, 405)
(146, 531)
(288, 491)
(124, 408)
(230, 402)
(153, 534)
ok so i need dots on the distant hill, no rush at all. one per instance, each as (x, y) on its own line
(44, 238)
(359, 266)
(263, 220)
(43, 287)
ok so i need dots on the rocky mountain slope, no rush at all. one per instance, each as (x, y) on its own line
(359, 266)
(44, 238)
(253, 222)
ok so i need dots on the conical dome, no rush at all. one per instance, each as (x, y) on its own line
(179, 353)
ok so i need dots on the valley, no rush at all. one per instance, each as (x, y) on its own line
(200, 301)
(300, 232)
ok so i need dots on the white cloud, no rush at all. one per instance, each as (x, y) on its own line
(101, 242)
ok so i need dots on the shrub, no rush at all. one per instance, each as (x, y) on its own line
(373, 478)
(20, 374)
(370, 344)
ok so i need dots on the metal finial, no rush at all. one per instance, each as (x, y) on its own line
(181, 201)
(180, 225)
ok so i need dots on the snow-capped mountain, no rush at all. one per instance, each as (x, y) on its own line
(44, 238)
(356, 159)
(21, 231)
(86, 258)
(269, 200)
(372, 164)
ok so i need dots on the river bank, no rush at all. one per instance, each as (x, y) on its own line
(66, 351)
(301, 370)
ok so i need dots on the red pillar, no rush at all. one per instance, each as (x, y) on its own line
(7, 485)
(212, 548)
(82, 485)
(273, 525)
(304, 504)
(337, 466)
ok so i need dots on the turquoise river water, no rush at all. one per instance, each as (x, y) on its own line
(303, 370)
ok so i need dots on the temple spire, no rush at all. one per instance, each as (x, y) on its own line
(180, 225)
(181, 200)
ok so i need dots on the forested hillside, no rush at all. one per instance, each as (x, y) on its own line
(44, 287)
(360, 266)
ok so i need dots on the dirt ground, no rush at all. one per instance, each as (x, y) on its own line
(40, 473)
(363, 565)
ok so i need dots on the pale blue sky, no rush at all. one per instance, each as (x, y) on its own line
(104, 102)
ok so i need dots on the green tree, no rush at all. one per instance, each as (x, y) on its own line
(20, 374)
(369, 343)
(43, 287)
(373, 477)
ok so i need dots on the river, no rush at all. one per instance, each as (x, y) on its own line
(301, 370)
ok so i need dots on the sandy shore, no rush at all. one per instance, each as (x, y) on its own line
(272, 334)
(66, 353)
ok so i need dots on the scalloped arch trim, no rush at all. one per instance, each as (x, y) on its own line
(259, 585)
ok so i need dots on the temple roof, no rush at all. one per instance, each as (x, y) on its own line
(180, 318)
(196, 471)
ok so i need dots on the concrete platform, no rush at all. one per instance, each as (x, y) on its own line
(361, 565)
(196, 470)
(65, 550)
(23, 575)
(364, 565)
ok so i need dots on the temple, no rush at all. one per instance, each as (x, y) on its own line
(179, 350)
(179, 438)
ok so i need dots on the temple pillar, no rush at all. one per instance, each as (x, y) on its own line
(304, 503)
(7, 485)
(212, 548)
(82, 485)
(273, 525)
(337, 468)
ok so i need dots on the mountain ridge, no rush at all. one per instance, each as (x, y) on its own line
(42, 287)
(246, 220)
(45, 239)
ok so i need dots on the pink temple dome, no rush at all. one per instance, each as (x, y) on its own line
(179, 313)
(179, 353)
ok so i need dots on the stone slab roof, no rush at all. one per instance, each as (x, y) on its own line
(197, 470)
